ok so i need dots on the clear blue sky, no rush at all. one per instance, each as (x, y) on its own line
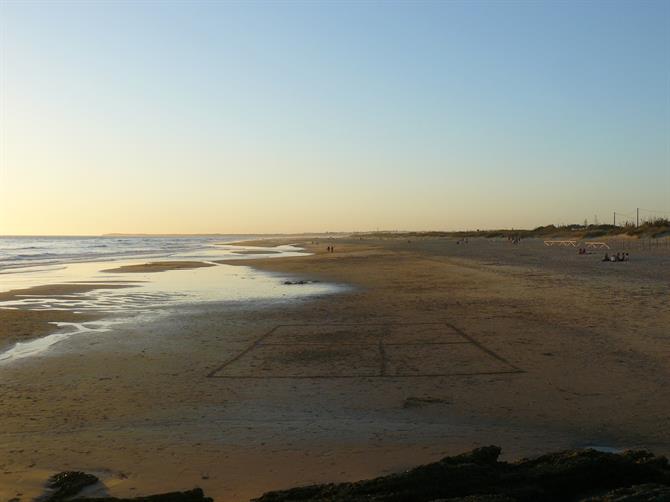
(305, 116)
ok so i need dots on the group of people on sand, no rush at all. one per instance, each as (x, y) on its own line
(616, 257)
(330, 249)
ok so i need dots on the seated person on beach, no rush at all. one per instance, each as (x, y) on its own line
(606, 257)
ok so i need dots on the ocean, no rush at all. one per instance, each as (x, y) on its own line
(31, 251)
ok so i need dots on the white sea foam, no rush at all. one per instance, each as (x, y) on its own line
(16, 252)
(39, 345)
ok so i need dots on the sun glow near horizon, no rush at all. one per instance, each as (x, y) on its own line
(169, 117)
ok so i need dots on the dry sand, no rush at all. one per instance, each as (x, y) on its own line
(438, 348)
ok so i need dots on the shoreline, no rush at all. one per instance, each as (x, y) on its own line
(29, 315)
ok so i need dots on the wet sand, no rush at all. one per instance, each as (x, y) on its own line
(158, 266)
(437, 349)
(249, 251)
(19, 325)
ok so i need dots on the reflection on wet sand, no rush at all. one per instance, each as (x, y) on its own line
(96, 295)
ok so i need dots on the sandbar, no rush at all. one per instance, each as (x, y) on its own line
(158, 266)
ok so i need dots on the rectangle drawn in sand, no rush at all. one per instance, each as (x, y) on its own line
(364, 351)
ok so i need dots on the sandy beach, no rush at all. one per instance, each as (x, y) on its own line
(334, 251)
(435, 348)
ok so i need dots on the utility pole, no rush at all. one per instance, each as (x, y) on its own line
(615, 218)
(637, 220)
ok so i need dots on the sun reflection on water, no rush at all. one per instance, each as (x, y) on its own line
(123, 296)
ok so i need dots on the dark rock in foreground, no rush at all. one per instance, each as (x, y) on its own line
(478, 476)
(65, 485)
(636, 493)
(68, 483)
(195, 495)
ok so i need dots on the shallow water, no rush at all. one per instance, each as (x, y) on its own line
(148, 294)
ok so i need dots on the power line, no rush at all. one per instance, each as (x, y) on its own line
(654, 211)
